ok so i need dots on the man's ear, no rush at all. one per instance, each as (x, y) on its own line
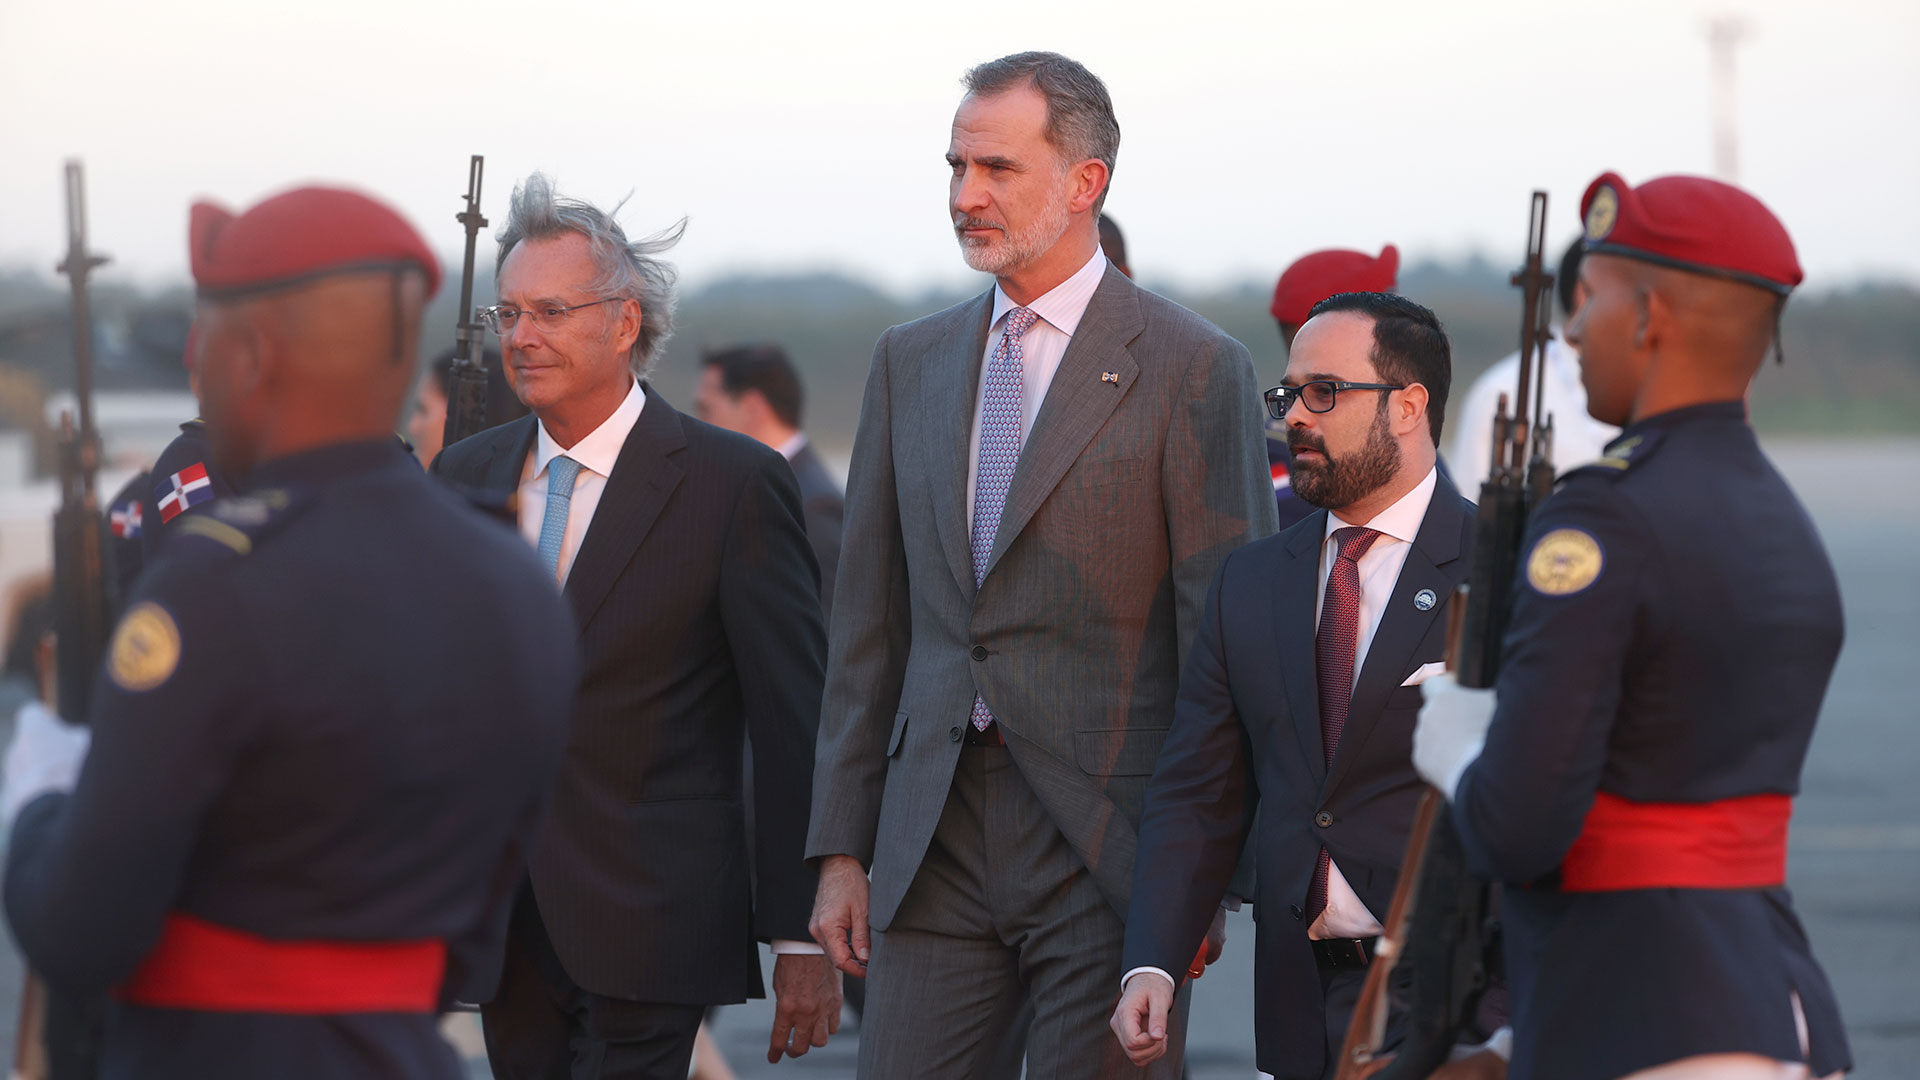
(1654, 316)
(1409, 409)
(626, 326)
(1089, 181)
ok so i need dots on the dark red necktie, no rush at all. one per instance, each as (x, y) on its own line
(1334, 646)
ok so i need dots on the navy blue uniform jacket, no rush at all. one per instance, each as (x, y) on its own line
(350, 738)
(1690, 669)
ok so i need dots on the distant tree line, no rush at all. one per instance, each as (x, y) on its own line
(1852, 355)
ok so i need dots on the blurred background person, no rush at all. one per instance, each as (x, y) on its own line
(756, 391)
(1113, 244)
(427, 423)
(1577, 437)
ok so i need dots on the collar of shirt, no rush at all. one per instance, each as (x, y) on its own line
(1063, 305)
(1401, 521)
(600, 449)
(793, 446)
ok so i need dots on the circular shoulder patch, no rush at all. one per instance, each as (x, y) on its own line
(1602, 212)
(145, 649)
(1563, 562)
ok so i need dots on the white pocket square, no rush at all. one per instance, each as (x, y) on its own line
(1424, 672)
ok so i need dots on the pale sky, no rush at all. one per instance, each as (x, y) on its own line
(810, 135)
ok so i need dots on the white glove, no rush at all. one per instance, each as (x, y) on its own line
(1451, 732)
(45, 756)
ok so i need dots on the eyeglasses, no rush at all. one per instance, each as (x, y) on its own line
(548, 317)
(1318, 396)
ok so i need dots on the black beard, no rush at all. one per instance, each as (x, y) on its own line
(1334, 483)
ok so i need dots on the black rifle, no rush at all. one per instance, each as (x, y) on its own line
(80, 583)
(1441, 922)
(467, 382)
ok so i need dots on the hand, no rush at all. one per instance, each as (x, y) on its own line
(1212, 947)
(1140, 1020)
(45, 756)
(806, 994)
(1451, 732)
(840, 914)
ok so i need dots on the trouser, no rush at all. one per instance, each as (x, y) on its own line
(540, 1025)
(1000, 913)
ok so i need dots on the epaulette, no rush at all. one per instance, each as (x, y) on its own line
(240, 523)
(1621, 455)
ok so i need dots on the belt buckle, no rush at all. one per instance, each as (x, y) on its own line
(1344, 954)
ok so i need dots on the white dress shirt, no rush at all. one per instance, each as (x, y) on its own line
(793, 445)
(596, 454)
(1060, 310)
(1578, 439)
(1346, 916)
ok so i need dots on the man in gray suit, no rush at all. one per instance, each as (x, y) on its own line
(1044, 480)
(755, 390)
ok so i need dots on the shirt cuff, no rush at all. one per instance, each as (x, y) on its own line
(1129, 975)
(783, 947)
(1499, 1043)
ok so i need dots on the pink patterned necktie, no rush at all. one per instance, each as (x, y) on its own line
(1334, 646)
(1001, 401)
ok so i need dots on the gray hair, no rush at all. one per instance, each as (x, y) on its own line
(1080, 120)
(628, 269)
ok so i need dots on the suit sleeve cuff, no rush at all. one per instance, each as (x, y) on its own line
(1124, 979)
(783, 947)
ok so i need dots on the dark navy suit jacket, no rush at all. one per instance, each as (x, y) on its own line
(1246, 746)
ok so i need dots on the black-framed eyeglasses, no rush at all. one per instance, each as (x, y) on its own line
(549, 317)
(1318, 396)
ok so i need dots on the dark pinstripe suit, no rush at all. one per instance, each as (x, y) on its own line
(697, 601)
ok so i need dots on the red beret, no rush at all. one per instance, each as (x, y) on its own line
(1313, 278)
(1691, 223)
(296, 237)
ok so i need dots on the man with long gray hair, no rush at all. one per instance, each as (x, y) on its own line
(682, 551)
(1044, 479)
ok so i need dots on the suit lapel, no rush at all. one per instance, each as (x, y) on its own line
(644, 477)
(1433, 562)
(1296, 587)
(952, 381)
(1078, 402)
(505, 457)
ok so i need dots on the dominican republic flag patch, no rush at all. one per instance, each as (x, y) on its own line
(188, 487)
(124, 519)
(1281, 481)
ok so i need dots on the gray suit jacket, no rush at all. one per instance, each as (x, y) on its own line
(1145, 467)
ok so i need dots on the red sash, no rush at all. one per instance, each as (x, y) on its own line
(204, 966)
(1731, 844)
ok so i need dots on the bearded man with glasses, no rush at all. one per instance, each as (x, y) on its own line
(1298, 700)
(682, 551)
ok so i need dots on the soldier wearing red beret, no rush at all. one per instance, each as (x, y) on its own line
(1675, 624)
(1307, 281)
(329, 718)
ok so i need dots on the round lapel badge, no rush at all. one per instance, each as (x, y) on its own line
(1424, 600)
(1602, 212)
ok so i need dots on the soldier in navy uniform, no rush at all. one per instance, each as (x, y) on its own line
(1675, 624)
(330, 717)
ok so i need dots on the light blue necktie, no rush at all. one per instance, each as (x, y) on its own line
(561, 472)
(1001, 404)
